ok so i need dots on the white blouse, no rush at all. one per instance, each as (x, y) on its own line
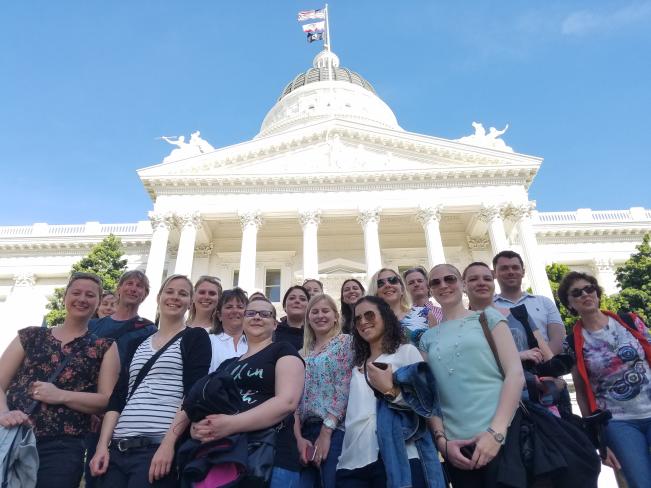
(223, 348)
(360, 447)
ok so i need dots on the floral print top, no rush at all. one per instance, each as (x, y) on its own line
(327, 380)
(43, 353)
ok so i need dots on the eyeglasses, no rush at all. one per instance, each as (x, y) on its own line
(369, 316)
(577, 292)
(392, 280)
(448, 279)
(265, 314)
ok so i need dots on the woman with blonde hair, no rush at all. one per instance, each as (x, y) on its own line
(388, 285)
(203, 311)
(318, 427)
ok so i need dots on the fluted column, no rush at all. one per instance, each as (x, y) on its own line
(310, 220)
(430, 218)
(189, 223)
(161, 223)
(370, 219)
(533, 261)
(492, 217)
(251, 222)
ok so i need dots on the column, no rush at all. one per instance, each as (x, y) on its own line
(430, 218)
(310, 220)
(189, 223)
(370, 219)
(161, 224)
(604, 271)
(492, 217)
(21, 309)
(251, 222)
(533, 262)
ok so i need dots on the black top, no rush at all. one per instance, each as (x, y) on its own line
(286, 333)
(255, 377)
(196, 352)
(123, 331)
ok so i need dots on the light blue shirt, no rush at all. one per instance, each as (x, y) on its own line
(540, 308)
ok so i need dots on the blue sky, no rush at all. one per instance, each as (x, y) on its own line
(87, 87)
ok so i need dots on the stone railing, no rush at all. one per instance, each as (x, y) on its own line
(87, 229)
(589, 216)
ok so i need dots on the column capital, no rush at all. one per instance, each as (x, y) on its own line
(603, 264)
(488, 213)
(162, 220)
(368, 215)
(309, 216)
(518, 212)
(426, 214)
(204, 250)
(478, 243)
(25, 279)
(250, 218)
(189, 219)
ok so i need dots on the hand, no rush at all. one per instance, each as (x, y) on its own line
(611, 460)
(100, 462)
(534, 355)
(303, 444)
(95, 423)
(13, 418)
(322, 445)
(46, 393)
(380, 379)
(161, 463)
(454, 455)
(212, 428)
(486, 448)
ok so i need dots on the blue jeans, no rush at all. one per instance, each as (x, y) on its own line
(630, 441)
(284, 478)
(61, 462)
(373, 476)
(323, 477)
(130, 469)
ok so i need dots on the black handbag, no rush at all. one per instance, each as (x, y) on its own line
(262, 452)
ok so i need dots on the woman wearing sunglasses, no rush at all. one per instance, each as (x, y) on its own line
(379, 350)
(477, 402)
(613, 355)
(270, 378)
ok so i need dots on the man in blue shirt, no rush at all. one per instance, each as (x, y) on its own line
(509, 271)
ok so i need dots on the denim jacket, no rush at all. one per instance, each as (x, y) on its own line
(397, 424)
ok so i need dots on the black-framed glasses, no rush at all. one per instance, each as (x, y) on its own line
(392, 280)
(447, 279)
(265, 314)
(369, 316)
(577, 292)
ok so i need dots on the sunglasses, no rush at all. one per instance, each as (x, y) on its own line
(369, 316)
(392, 280)
(448, 279)
(577, 292)
(265, 314)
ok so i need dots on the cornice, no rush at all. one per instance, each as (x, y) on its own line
(591, 234)
(69, 246)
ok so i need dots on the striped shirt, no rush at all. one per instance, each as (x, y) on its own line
(151, 409)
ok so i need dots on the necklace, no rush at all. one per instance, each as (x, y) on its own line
(449, 357)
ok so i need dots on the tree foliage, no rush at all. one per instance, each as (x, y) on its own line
(105, 260)
(555, 273)
(634, 279)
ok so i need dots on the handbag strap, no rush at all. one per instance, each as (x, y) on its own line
(491, 342)
(58, 370)
(150, 362)
(377, 393)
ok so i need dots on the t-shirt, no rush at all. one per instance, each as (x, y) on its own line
(519, 333)
(618, 371)
(540, 308)
(123, 331)
(152, 407)
(292, 335)
(468, 379)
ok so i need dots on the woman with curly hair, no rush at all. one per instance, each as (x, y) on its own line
(612, 372)
(379, 350)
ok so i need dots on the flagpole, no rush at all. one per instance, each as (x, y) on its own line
(326, 43)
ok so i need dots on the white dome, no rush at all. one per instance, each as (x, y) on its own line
(326, 91)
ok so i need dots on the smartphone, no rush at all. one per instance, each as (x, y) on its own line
(468, 450)
(380, 365)
(310, 453)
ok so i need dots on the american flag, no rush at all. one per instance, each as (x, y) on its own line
(311, 14)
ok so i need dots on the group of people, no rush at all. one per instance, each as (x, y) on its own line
(404, 383)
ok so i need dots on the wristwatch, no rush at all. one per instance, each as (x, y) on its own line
(499, 438)
(329, 423)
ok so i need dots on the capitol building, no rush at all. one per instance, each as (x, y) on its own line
(330, 187)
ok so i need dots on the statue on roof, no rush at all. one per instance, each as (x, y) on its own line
(490, 140)
(195, 147)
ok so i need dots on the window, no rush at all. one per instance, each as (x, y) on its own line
(272, 285)
(236, 277)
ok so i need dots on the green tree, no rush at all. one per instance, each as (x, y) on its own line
(555, 273)
(105, 260)
(634, 279)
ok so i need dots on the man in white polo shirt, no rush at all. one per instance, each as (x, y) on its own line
(509, 271)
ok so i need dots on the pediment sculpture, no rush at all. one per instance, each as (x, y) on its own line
(195, 147)
(490, 140)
